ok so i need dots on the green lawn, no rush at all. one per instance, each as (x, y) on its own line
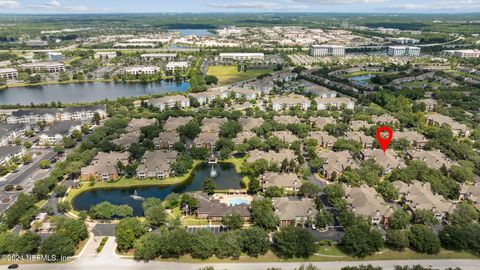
(420, 84)
(229, 74)
(360, 73)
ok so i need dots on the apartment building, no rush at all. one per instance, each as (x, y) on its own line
(8, 73)
(242, 56)
(105, 55)
(409, 51)
(327, 50)
(56, 132)
(33, 116)
(52, 67)
(103, 167)
(156, 164)
(145, 70)
(168, 102)
(158, 56)
(287, 102)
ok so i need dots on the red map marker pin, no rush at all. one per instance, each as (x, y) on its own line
(384, 142)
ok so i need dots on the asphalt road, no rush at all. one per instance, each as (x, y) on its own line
(108, 261)
(24, 174)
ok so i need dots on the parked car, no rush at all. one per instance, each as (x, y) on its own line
(314, 227)
(13, 266)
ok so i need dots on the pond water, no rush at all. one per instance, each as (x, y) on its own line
(86, 92)
(361, 79)
(196, 32)
(226, 178)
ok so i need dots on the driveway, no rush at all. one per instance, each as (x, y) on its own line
(104, 229)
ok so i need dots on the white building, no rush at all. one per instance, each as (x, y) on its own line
(403, 51)
(171, 66)
(105, 55)
(83, 113)
(55, 56)
(51, 67)
(327, 50)
(338, 103)
(287, 102)
(58, 131)
(8, 73)
(147, 70)
(242, 56)
(33, 116)
(158, 56)
(170, 102)
(467, 53)
(248, 94)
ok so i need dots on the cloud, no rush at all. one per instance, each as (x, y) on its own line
(9, 4)
(79, 9)
(246, 5)
(341, 2)
(51, 5)
(446, 5)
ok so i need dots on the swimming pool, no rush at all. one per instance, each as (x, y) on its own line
(237, 201)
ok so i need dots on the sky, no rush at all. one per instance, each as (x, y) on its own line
(160, 6)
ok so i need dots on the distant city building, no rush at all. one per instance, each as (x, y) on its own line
(403, 51)
(463, 53)
(8, 73)
(242, 56)
(147, 70)
(158, 56)
(55, 56)
(105, 55)
(327, 50)
(403, 40)
(171, 66)
(51, 67)
(36, 43)
(170, 102)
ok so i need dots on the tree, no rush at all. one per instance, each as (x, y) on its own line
(362, 267)
(209, 186)
(388, 191)
(127, 231)
(464, 215)
(23, 204)
(96, 118)
(26, 243)
(27, 158)
(154, 211)
(147, 247)
(323, 218)
(335, 194)
(254, 241)
(63, 206)
(204, 244)
(254, 186)
(309, 190)
(71, 228)
(423, 240)
(106, 210)
(58, 149)
(210, 79)
(190, 130)
(399, 219)
(361, 240)
(458, 238)
(293, 241)
(230, 129)
(44, 164)
(56, 246)
(188, 201)
(396, 240)
(425, 217)
(233, 221)
(263, 215)
(229, 245)
(60, 190)
(274, 191)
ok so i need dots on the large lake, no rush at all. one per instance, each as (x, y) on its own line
(226, 178)
(86, 92)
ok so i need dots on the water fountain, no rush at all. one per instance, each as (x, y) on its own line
(213, 172)
(137, 197)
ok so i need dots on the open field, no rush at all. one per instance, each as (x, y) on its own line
(229, 74)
